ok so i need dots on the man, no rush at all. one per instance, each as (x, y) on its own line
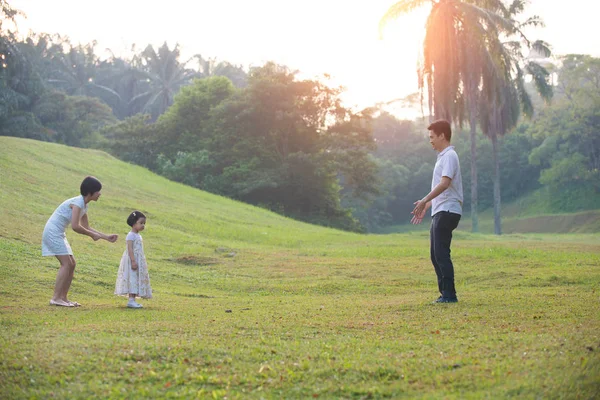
(445, 200)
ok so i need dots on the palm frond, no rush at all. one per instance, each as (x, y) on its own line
(534, 21)
(442, 59)
(540, 78)
(400, 8)
(494, 22)
(517, 7)
(140, 98)
(523, 97)
(186, 78)
(151, 103)
(105, 91)
(495, 6)
(542, 48)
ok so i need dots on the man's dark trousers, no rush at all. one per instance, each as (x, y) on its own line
(442, 225)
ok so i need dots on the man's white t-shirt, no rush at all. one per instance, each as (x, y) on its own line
(450, 199)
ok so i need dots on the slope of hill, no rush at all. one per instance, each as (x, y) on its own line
(37, 176)
(532, 214)
(521, 217)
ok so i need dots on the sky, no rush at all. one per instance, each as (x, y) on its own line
(315, 37)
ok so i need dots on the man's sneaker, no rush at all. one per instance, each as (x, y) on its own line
(134, 304)
(447, 300)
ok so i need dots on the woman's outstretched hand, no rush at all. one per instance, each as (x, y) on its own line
(112, 238)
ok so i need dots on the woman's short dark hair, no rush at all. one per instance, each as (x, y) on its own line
(90, 185)
(134, 217)
(441, 126)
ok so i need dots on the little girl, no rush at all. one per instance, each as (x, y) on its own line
(132, 278)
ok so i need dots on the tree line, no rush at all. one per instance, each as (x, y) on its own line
(267, 138)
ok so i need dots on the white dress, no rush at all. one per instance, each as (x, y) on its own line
(131, 281)
(54, 238)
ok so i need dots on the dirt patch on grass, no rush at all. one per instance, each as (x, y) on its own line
(194, 295)
(196, 260)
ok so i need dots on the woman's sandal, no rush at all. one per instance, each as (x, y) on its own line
(61, 303)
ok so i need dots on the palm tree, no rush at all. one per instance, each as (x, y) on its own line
(458, 57)
(15, 69)
(20, 82)
(164, 76)
(74, 72)
(126, 79)
(13, 64)
(507, 99)
(212, 67)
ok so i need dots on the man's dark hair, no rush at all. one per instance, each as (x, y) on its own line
(90, 185)
(441, 126)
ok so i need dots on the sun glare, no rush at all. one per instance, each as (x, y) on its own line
(375, 70)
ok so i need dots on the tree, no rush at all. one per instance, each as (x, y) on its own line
(210, 67)
(19, 82)
(72, 120)
(280, 143)
(126, 79)
(164, 74)
(507, 98)
(569, 152)
(32, 110)
(132, 140)
(74, 71)
(187, 125)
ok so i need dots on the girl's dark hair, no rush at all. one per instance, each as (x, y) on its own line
(134, 217)
(90, 185)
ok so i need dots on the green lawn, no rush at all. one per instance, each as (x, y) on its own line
(252, 305)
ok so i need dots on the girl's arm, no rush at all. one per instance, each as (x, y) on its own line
(85, 223)
(134, 265)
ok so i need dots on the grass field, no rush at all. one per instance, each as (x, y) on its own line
(252, 305)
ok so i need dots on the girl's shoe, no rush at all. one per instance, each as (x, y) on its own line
(134, 304)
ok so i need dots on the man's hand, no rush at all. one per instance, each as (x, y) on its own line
(112, 238)
(417, 218)
(419, 211)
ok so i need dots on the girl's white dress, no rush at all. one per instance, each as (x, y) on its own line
(131, 281)
(54, 239)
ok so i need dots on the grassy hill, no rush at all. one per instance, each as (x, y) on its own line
(513, 223)
(249, 304)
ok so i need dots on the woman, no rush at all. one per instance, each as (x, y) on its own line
(54, 240)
